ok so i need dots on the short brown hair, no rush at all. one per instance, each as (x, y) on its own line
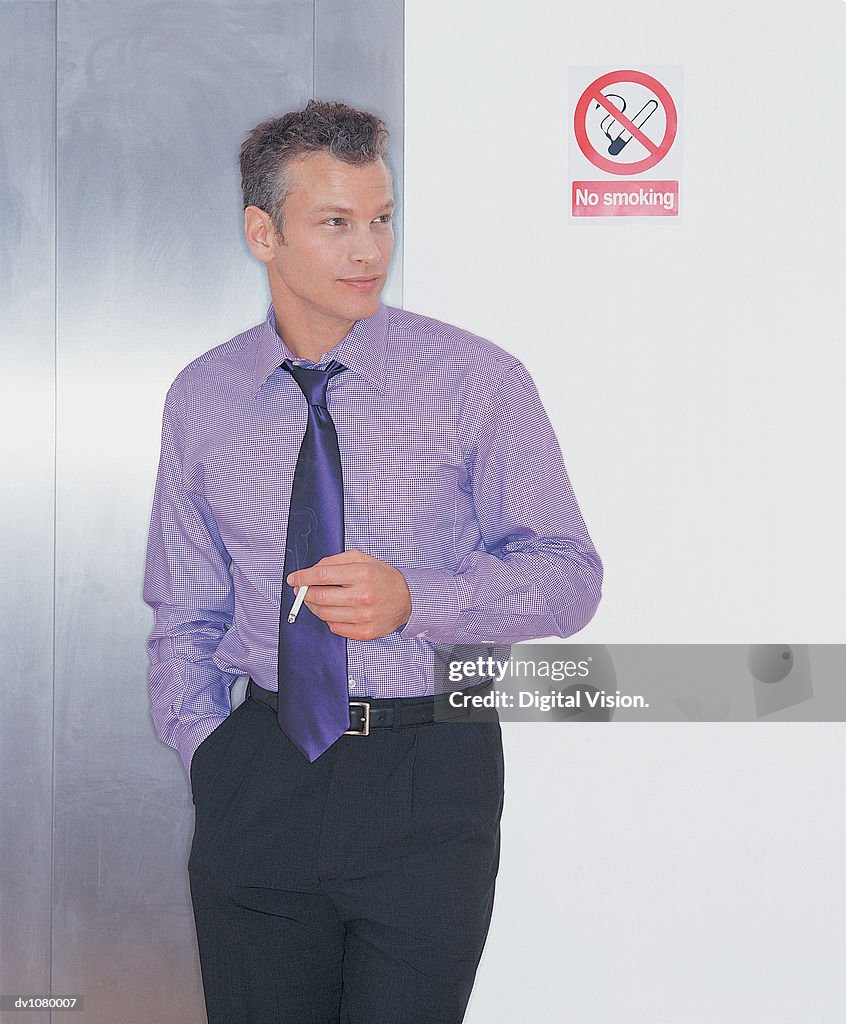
(354, 136)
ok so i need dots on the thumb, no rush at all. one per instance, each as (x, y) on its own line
(345, 557)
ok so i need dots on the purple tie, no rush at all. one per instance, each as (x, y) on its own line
(313, 694)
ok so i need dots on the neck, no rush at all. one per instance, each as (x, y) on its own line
(308, 335)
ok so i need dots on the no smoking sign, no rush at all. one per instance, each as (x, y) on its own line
(625, 124)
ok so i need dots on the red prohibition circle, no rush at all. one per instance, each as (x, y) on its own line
(583, 106)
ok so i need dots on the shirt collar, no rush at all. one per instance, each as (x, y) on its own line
(362, 350)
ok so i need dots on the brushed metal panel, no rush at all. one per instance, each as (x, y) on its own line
(27, 394)
(153, 102)
(359, 54)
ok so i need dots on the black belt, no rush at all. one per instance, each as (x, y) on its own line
(391, 712)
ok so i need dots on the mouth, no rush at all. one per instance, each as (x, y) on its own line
(362, 284)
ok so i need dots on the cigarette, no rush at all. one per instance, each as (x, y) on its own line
(298, 603)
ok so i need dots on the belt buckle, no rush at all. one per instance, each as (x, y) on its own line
(365, 731)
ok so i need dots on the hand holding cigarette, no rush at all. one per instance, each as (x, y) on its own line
(356, 595)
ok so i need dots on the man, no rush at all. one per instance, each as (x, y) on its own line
(346, 837)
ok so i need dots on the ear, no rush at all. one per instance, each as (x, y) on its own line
(259, 232)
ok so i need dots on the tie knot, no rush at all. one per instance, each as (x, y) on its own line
(313, 381)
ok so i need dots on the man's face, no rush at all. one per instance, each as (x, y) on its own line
(337, 226)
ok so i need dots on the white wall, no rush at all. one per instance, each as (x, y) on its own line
(663, 874)
(702, 436)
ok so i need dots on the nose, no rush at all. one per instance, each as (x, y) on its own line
(364, 248)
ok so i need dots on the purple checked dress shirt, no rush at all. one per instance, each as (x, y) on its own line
(452, 474)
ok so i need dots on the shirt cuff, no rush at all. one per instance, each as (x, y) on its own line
(194, 736)
(436, 603)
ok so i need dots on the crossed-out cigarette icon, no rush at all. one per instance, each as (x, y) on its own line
(623, 137)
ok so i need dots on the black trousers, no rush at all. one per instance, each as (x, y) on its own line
(357, 889)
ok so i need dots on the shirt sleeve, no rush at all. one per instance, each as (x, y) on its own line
(188, 585)
(538, 574)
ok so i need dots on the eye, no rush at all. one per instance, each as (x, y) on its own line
(384, 216)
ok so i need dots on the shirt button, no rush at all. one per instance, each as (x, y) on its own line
(421, 635)
(351, 682)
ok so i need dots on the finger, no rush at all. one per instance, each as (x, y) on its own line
(344, 613)
(353, 631)
(342, 558)
(353, 555)
(333, 574)
(339, 597)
